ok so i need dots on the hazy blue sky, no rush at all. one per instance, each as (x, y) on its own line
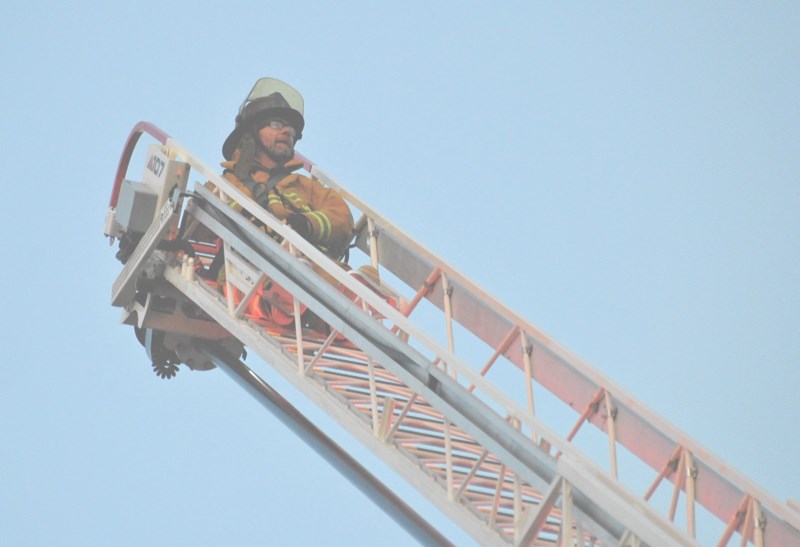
(625, 175)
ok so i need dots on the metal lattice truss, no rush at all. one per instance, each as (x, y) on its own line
(511, 436)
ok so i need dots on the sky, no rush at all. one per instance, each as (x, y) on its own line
(624, 175)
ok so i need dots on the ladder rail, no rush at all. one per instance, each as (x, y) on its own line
(436, 386)
(649, 437)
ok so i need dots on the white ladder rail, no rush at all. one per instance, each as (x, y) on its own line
(464, 408)
(649, 437)
(399, 407)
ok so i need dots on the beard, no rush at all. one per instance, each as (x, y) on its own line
(279, 152)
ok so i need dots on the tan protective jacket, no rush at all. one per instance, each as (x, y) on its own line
(330, 218)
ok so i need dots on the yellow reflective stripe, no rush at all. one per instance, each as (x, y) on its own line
(294, 197)
(325, 226)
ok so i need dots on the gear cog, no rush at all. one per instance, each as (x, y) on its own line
(165, 369)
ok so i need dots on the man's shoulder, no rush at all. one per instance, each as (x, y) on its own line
(300, 182)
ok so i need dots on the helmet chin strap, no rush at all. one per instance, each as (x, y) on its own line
(247, 156)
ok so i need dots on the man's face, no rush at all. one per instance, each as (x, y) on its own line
(277, 138)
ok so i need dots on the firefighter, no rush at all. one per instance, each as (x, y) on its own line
(260, 161)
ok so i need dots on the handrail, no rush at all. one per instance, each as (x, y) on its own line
(125, 159)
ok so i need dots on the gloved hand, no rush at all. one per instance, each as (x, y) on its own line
(300, 224)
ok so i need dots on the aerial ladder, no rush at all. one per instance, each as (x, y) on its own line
(506, 432)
